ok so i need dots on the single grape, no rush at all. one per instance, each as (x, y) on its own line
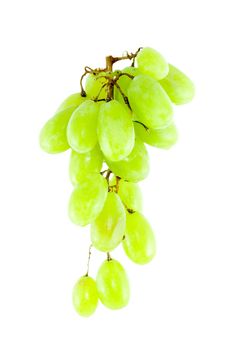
(129, 193)
(162, 138)
(87, 199)
(81, 130)
(53, 138)
(115, 130)
(73, 100)
(108, 229)
(113, 285)
(81, 164)
(124, 82)
(152, 63)
(139, 242)
(85, 296)
(150, 102)
(178, 86)
(94, 83)
(135, 167)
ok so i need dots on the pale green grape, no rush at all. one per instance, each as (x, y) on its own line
(150, 102)
(115, 130)
(161, 138)
(124, 82)
(85, 296)
(152, 63)
(113, 285)
(108, 229)
(94, 84)
(81, 164)
(139, 242)
(135, 167)
(178, 86)
(73, 100)
(129, 193)
(87, 199)
(81, 130)
(53, 138)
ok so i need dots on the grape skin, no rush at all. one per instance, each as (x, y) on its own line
(73, 100)
(113, 285)
(149, 102)
(85, 296)
(87, 199)
(152, 63)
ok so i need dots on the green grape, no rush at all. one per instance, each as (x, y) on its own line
(81, 164)
(53, 137)
(161, 138)
(73, 100)
(178, 86)
(150, 102)
(87, 199)
(129, 193)
(152, 63)
(135, 167)
(139, 242)
(94, 84)
(108, 229)
(124, 82)
(81, 130)
(113, 285)
(85, 296)
(115, 130)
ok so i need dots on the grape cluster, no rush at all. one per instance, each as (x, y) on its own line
(109, 122)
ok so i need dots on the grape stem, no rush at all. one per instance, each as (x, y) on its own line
(109, 256)
(88, 260)
(136, 121)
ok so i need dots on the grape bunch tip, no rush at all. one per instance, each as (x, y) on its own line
(106, 125)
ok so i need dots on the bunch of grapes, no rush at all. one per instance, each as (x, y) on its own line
(106, 126)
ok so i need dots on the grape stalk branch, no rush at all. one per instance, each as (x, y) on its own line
(108, 124)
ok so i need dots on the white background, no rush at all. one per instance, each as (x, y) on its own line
(183, 299)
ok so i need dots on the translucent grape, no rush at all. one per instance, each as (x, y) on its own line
(108, 229)
(53, 138)
(139, 242)
(94, 83)
(81, 164)
(135, 167)
(85, 296)
(150, 102)
(162, 138)
(73, 100)
(113, 285)
(115, 130)
(81, 130)
(87, 199)
(178, 86)
(124, 82)
(152, 63)
(129, 193)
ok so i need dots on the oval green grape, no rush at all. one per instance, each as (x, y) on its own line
(85, 296)
(135, 167)
(115, 130)
(81, 164)
(53, 138)
(149, 102)
(87, 199)
(81, 130)
(73, 100)
(113, 285)
(108, 229)
(162, 138)
(139, 242)
(178, 86)
(152, 63)
(94, 86)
